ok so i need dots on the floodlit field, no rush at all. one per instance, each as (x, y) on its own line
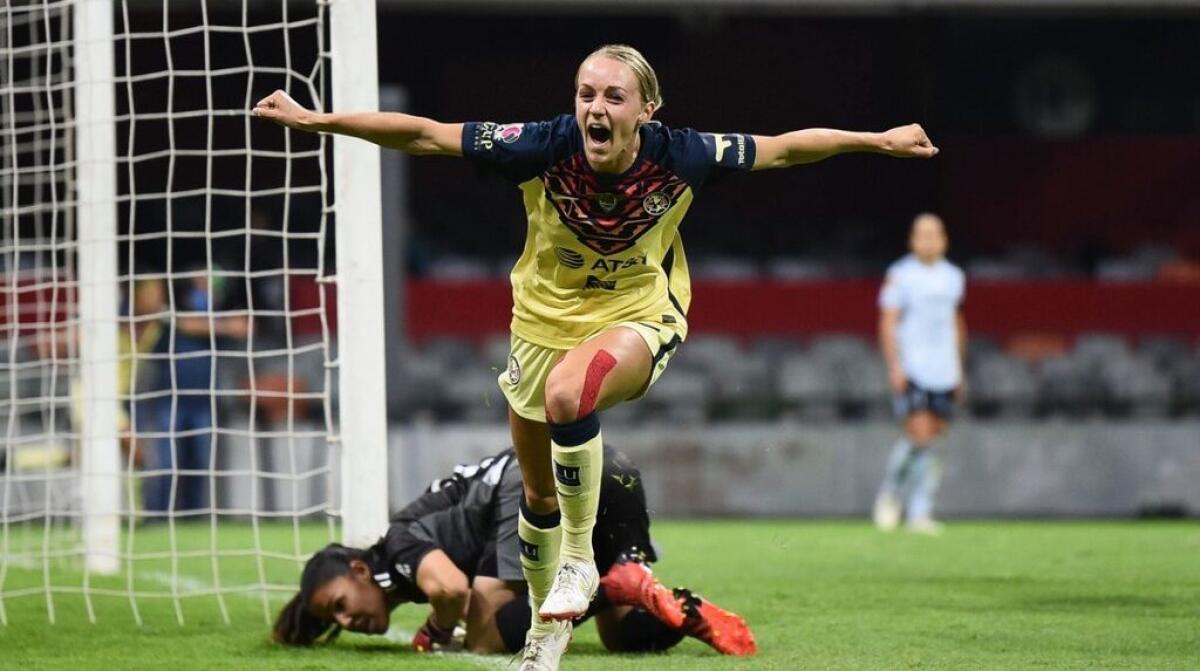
(822, 595)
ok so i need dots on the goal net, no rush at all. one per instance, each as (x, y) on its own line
(168, 355)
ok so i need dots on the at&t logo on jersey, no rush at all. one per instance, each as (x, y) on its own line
(569, 257)
(613, 265)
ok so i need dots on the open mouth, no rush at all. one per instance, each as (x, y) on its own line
(598, 134)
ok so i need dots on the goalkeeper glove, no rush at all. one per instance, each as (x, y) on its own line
(431, 637)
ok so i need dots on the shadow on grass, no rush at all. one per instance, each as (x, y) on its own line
(595, 649)
(339, 647)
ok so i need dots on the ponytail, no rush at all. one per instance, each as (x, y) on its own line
(296, 625)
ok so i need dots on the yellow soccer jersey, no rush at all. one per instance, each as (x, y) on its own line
(601, 249)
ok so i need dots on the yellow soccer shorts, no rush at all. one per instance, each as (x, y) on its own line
(524, 381)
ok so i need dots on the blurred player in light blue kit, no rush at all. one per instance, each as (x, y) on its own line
(923, 337)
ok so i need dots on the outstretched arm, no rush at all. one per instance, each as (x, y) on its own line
(816, 144)
(408, 133)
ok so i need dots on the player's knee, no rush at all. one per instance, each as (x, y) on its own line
(922, 428)
(562, 396)
(569, 396)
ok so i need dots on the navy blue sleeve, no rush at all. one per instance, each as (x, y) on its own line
(517, 151)
(701, 158)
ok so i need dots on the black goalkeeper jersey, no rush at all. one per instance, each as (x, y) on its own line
(472, 517)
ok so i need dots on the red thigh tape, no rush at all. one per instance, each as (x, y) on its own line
(601, 365)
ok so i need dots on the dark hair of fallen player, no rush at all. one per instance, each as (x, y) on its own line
(295, 624)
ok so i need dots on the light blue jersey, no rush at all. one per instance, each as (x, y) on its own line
(928, 297)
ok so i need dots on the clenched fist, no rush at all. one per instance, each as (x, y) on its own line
(908, 142)
(280, 108)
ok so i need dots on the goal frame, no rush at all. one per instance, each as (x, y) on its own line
(360, 437)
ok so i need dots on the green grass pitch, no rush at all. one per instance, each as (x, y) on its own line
(819, 595)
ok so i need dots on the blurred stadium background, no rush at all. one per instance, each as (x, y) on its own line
(1069, 134)
(1069, 131)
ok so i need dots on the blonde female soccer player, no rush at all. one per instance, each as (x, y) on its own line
(601, 292)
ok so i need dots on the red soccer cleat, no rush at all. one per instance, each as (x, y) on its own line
(726, 632)
(631, 583)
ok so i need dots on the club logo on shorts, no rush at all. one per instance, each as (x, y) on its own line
(514, 370)
(567, 475)
(528, 550)
(656, 203)
(510, 133)
(569, 257)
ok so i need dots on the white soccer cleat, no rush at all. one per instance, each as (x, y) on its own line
(575, 584)
(926, 526)
(887, 511)
(543, 652)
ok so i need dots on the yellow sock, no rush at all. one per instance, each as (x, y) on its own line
(540, 537)
(578, 453)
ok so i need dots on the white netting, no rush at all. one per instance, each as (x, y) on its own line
(225, 378)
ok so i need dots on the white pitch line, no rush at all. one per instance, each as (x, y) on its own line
(186, 583)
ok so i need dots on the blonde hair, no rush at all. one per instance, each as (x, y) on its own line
(646, 79)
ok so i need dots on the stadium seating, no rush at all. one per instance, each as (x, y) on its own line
(1024, 262)
(840, 377)
(715, 377)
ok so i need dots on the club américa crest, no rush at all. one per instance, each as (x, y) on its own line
(514, 370)
(656, 203)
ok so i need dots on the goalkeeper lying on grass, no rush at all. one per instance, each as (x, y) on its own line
(456, 548)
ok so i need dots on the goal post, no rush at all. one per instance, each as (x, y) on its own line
(183, 419)
(362, 374)
(96, 189)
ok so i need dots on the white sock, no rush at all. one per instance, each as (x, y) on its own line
(896, 473)
(925, 476)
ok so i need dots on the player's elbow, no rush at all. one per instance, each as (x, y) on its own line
(421, 146)
(433, 138)
(450, 589)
